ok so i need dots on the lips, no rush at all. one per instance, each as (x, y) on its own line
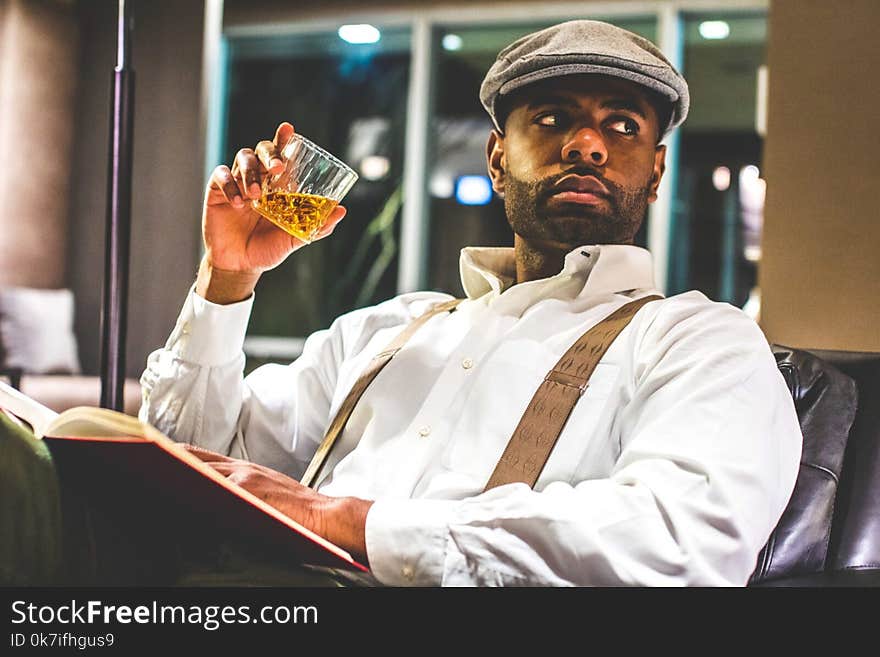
(581, 185)
(585, 190)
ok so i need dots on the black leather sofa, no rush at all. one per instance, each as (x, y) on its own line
(829, 535)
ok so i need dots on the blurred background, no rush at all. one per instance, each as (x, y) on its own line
(768, 201)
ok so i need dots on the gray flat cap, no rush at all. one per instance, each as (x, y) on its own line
(584, 47)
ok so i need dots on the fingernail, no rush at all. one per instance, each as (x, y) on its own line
(237, 202)
(275, 163)
(254, 190)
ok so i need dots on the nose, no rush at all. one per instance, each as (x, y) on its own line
(585, 145)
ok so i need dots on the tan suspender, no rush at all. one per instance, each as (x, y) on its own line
(379, 361)
(539, 428)
(544, 418)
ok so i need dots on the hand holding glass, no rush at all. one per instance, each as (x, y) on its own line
(300, 199)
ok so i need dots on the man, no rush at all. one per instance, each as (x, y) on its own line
(675, 464)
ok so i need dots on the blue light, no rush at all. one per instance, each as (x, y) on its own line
(473, 190)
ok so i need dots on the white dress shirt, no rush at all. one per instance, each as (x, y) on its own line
(673, 468)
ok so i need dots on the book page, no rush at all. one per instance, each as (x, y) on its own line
(27, 409)
(81, 421)
(88, 421)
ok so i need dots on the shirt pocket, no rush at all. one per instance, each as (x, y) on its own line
(501, 387)
(496, 401)
(587, 448)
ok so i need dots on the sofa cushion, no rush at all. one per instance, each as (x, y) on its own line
(60, 392)
(855, 537)
(826, 400)
(36, 331)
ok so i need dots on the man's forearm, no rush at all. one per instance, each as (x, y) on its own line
(223, 287)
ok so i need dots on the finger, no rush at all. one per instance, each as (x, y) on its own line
(337, 215)
(270, 156)
(223, 467)
(248, 173)
(282, 135)
(236, 171)
(226, 465)
(207, 455)
(329, 226)
(222, 179)
(235, 473)
(232, 471)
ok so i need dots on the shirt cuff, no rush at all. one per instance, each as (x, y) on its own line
(406, 540)
(210, 334)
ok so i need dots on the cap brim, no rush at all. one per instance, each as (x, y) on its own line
(659, 86)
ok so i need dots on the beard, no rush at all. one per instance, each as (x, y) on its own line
(616, 221)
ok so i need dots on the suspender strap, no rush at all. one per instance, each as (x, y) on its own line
(379, 361)
(539, 428)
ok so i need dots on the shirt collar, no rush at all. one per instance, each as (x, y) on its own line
(587, 271)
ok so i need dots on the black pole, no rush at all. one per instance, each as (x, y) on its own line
(114, 312)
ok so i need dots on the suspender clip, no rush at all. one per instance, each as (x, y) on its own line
(567, 380)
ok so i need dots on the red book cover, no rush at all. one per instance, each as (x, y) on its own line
(111, 454)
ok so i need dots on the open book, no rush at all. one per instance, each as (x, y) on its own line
(115, 454)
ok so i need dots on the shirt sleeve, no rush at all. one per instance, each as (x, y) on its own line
(709, 452)
(194, 390)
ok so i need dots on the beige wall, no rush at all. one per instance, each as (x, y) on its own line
(38, 62)
(820, 272)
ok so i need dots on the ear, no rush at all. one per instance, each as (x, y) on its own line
(496, 161)
(657, 174)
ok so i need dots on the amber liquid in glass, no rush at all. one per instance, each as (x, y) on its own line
(301, 215)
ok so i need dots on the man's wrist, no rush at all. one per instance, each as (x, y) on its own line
(222, 286)
(347, 526)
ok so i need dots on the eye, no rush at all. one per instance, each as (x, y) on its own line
(550, 119)
(624, 126)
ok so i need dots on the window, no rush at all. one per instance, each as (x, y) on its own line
(358, 102)
(715, 245)
(350, 99)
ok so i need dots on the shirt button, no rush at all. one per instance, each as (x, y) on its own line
(467, 363)
(407, 572)
(424, 431)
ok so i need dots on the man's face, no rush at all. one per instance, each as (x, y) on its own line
(579, 161)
